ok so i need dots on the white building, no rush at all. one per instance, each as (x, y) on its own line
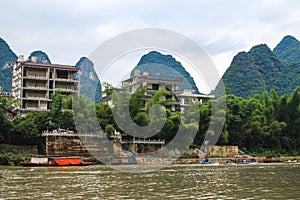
(183, 97)
(33, 83)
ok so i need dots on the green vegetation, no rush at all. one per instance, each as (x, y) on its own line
(24, 130)
(261, 124)
(14, 154)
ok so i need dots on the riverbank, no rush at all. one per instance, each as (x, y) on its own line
(224, 159)
(14, 154)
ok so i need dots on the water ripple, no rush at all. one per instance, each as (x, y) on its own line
(174, 182)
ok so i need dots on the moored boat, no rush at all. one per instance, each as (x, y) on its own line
(124, 161)
(55, 161)
(241, 159)
(291, 161)
(272, 159)
(210, 164)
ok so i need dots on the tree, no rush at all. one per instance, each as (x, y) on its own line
(27, 129)
(108, 88)
(56, 114)
(85, 117)
(141, 119)
(68, 120)
(6, 125)
(109, 129)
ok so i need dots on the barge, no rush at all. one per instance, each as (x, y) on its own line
(55, 161)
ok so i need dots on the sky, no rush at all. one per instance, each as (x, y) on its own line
(67, 30)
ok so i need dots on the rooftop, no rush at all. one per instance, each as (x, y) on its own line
(156, 77)
(41, 65)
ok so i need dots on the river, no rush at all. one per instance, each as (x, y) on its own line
(272, 181)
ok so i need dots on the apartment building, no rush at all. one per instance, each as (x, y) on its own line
(33, 83)
(183, 97)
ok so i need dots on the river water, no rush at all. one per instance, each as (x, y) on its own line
(277, 181)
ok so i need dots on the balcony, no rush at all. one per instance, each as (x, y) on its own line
(165, 78)
(35, 88)
(66, 80)
(36, 77)
(177, 91)
(63, 89)
(36, 97)
(15, 88)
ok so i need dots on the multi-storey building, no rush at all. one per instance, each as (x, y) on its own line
(182, 98)
(33, 83)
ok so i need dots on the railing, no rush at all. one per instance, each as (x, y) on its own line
(165, 78)
(115, 137)
(142, 141)
(73, 134)
(36, 87)
(66, 79)
(36, 77)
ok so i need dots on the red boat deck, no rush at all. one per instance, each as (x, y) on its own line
(56, 161)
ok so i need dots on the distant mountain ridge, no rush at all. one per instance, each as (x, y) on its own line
(40, 56)
(155, 63)
(90, 85)
(7, 57)
(288, 49)
(261, 69)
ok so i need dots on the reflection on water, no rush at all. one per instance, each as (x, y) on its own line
(280, 181)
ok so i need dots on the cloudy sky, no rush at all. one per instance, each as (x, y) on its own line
(69, 29)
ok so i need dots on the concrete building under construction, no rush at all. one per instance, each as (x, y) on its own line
(33, 83)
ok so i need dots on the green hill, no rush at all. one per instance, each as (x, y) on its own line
(41, 57)
(7, 57)
(89, 82)
(156, 63)
(288, 49)
(260, 70)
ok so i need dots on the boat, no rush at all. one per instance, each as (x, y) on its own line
(124, 161)
(291, 161)
(272, 159)
(241, 159)
(209, 163)
(240, 163)
(55, 161)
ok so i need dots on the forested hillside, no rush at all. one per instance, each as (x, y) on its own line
(156, 63)
(260, 70)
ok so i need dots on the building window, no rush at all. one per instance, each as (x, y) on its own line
(168, 96)
(62, 74)
(185, 101)
(155, 86)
